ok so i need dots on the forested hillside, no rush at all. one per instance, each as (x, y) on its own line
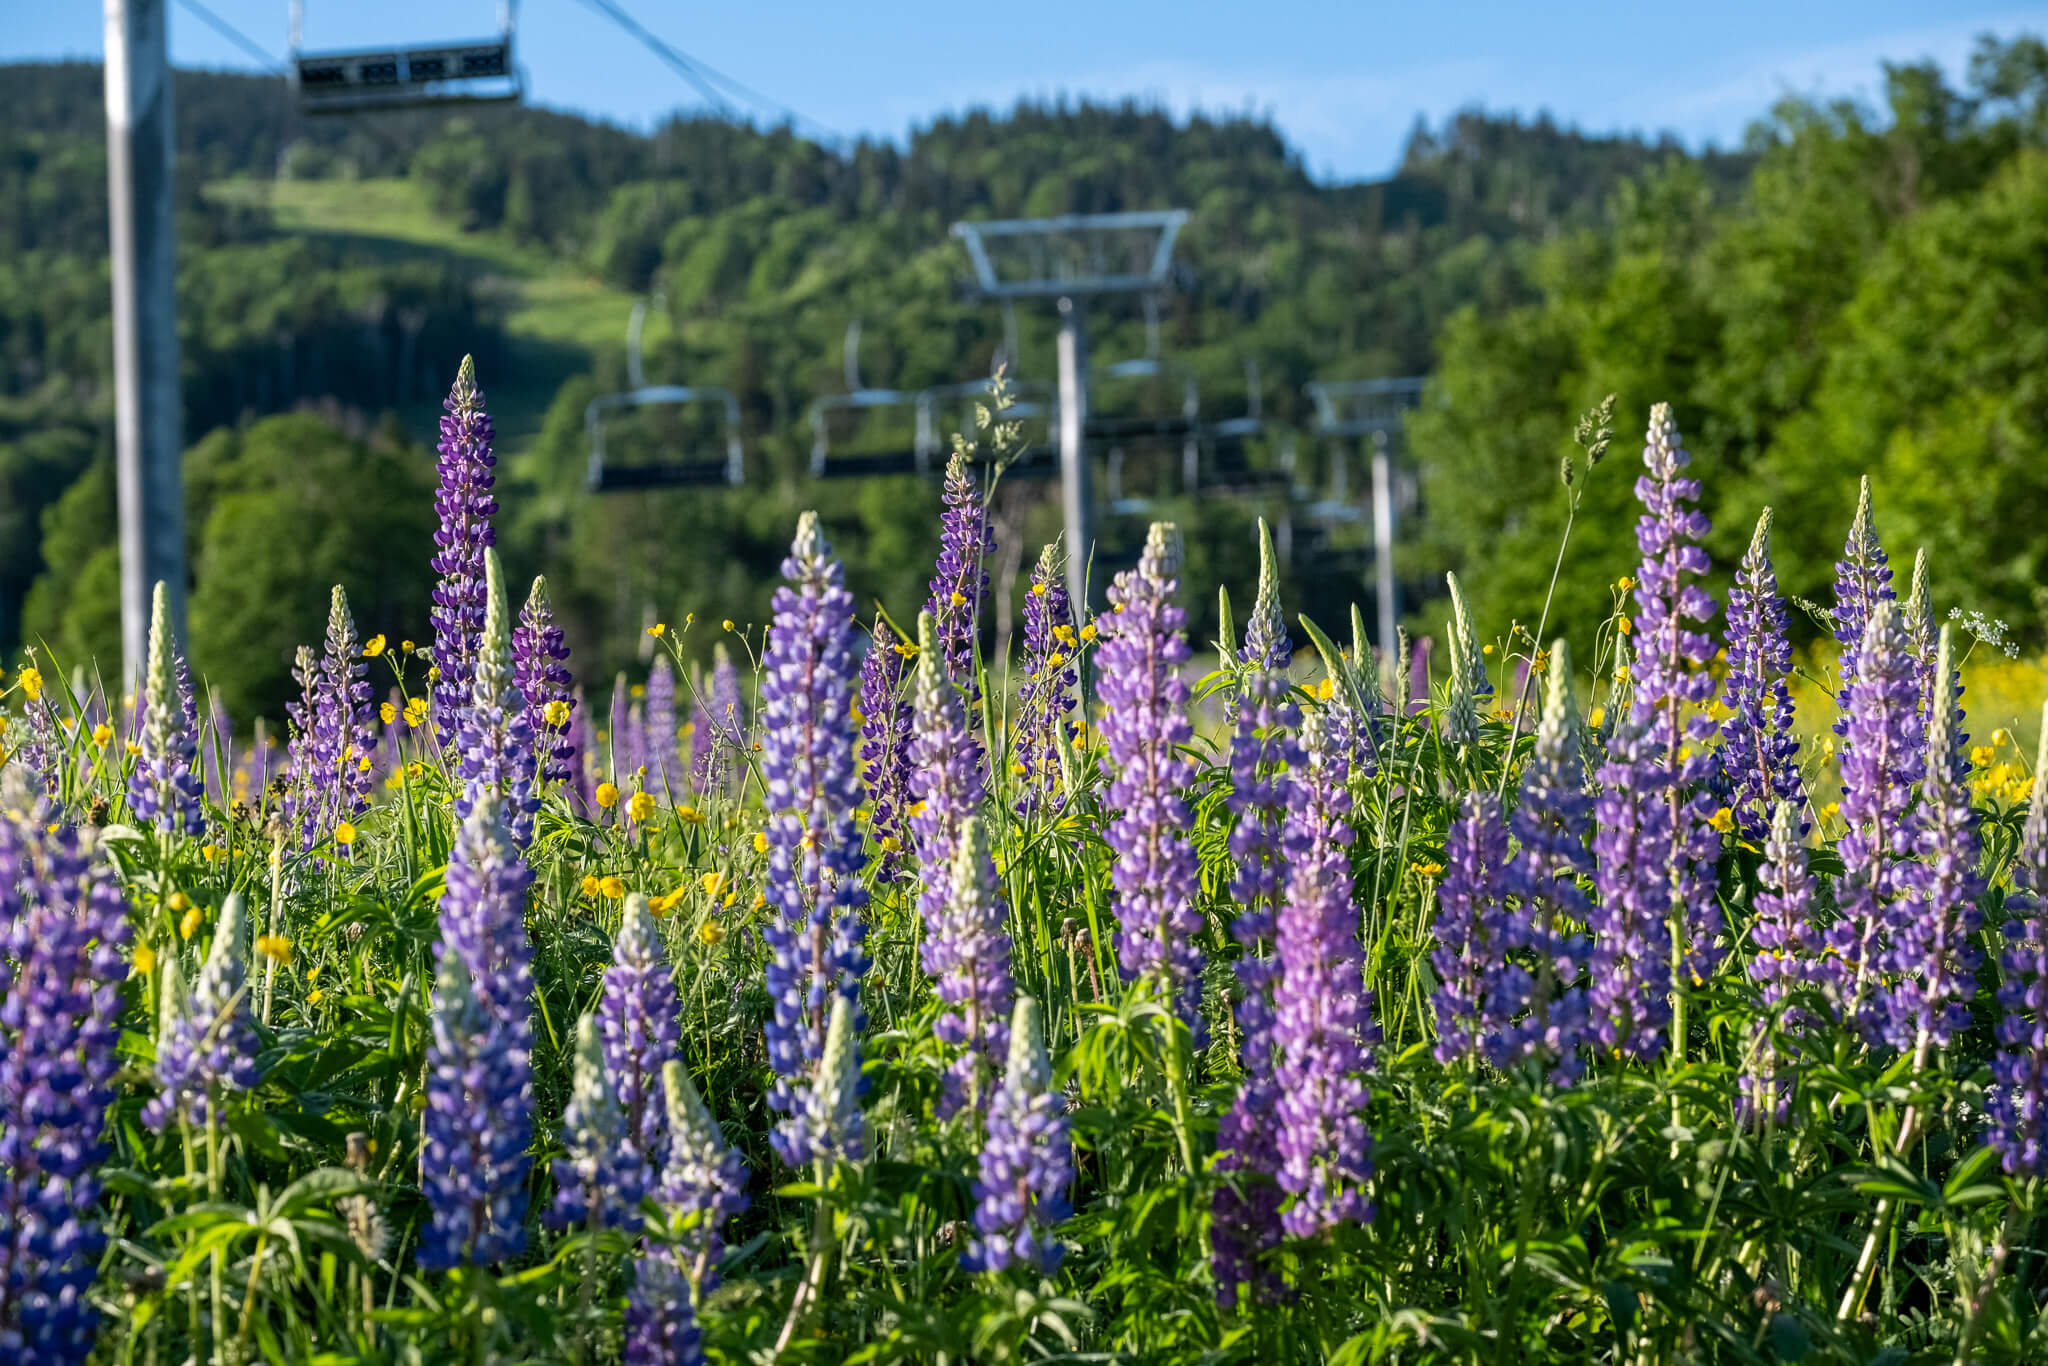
(348, 264)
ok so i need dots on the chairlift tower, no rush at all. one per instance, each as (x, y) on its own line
(1071, 259)
(1372, 409)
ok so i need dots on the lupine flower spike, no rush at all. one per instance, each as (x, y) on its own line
(206, 1047)
(885, 746)
(598, 1184)
(1882, 761)
(1788, 947)
(468, 470)
(1759, 756)
(496, 748)
(473, 1158)
(1918, 618)
(1480, 990)
(1863, 576)
(2018, 1099)
(1046, 696)
(1934, 959)
(164, 788)
(663, 757)
(1323, 1022)
(1156, 873)
(960, 583)
(1027, 1160)
(63, 929)
(1245, 1218)
(814, 845)
(702, 1185)
(541, 675)
(637, 1017)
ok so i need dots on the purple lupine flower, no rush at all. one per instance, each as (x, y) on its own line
(703, 747)
(1917, 617)
(966, 947)
(1156, 873)
(598, 1184)
(664, 758)
(63, 926)
(1669, 677)
(814, 859)
(2018, 1101)
(304, 795)
(205, 1044)
(960, 584)
(703, 1178)
(1323, 1023)
(1932, 966)
(1882, 760)
(45, 743)
(1027, 1160)
(1550, 824)
(479, 1122)
(332, 736)
(1759, 755)
(1863, 576)
(639, 1018)
(1788, 946)
(728, 708)
(1481, 989)
(702, 1185)
(885, 746)
(1245, 1216)
(468, 470)
(165, 786)
(1630, 921)
(1046, 698)
(473, 1158)
(541, 674)
(493, 740)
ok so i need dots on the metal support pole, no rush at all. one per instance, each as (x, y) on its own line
(1383, 537)
(1076, 497)
(140, 158)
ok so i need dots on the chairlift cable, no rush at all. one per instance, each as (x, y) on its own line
(698, 73)
(236, 36)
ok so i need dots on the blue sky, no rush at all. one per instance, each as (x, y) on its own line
(1344, 81)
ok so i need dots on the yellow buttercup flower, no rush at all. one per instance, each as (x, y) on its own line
(1999, 736)
(315, 997)
(658, 629)
(760, 841)
(711, 933)
(31, 683)
(1486, 649)
(1088, 631)
(102, 733)
(1722, 820)
(611, 888)
(760, 900)
(388, 713)
(1327, 689)
(434, 674)
(407, 646)
(556, 713)
(416, 712)
(689, 815)
(640, 807)
(1426, 869)
(145, 959)
(714, 884)
(275, 947)
(589, 887)
(1596, 716)
(131, 749)
(1624, 625)
(179, 902)
(345, 833)
(189, 925)
(1980, 756)
(607, 795)
(1037, 590)
(373, 647)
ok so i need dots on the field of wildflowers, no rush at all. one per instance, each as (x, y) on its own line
(864, 999)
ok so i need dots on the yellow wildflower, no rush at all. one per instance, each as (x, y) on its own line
(407, 646)
(1327, 689)
(1088, 631)
(388, 713)
(102, 733)
(640, 807)
(1486, 649)
(1037, 590)
(891, 844)
(31, 683)
(1427, 870)
(714, 884)
(607, 795)
(434, 674)
(315, 996)
(189, 925)
(1596, 716)
(416, 712)
(1831, 809)
(689, 815)
(1980, 756)
(727, 623)
(132, 749)
(611, 888)
(179, 902)
(1722, 820)
(711, 933)
(345, 833)
(906, 649)
(275, 947)
(958, 599)
(373, 647)
(1054, 660)
(556, 713)
(760, 841)
(658, 630)
(1999, 737)
(209, 852)
(145, 959)
(589, 887)
(760, 900)
(1624, 625)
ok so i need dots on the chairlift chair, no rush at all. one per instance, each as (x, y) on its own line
(1233, 472)
(858, 398)
(612, 477)
(478, 71)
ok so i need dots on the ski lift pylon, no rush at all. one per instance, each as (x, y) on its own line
(478, 71)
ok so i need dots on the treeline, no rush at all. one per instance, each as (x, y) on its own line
(1876, 299)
